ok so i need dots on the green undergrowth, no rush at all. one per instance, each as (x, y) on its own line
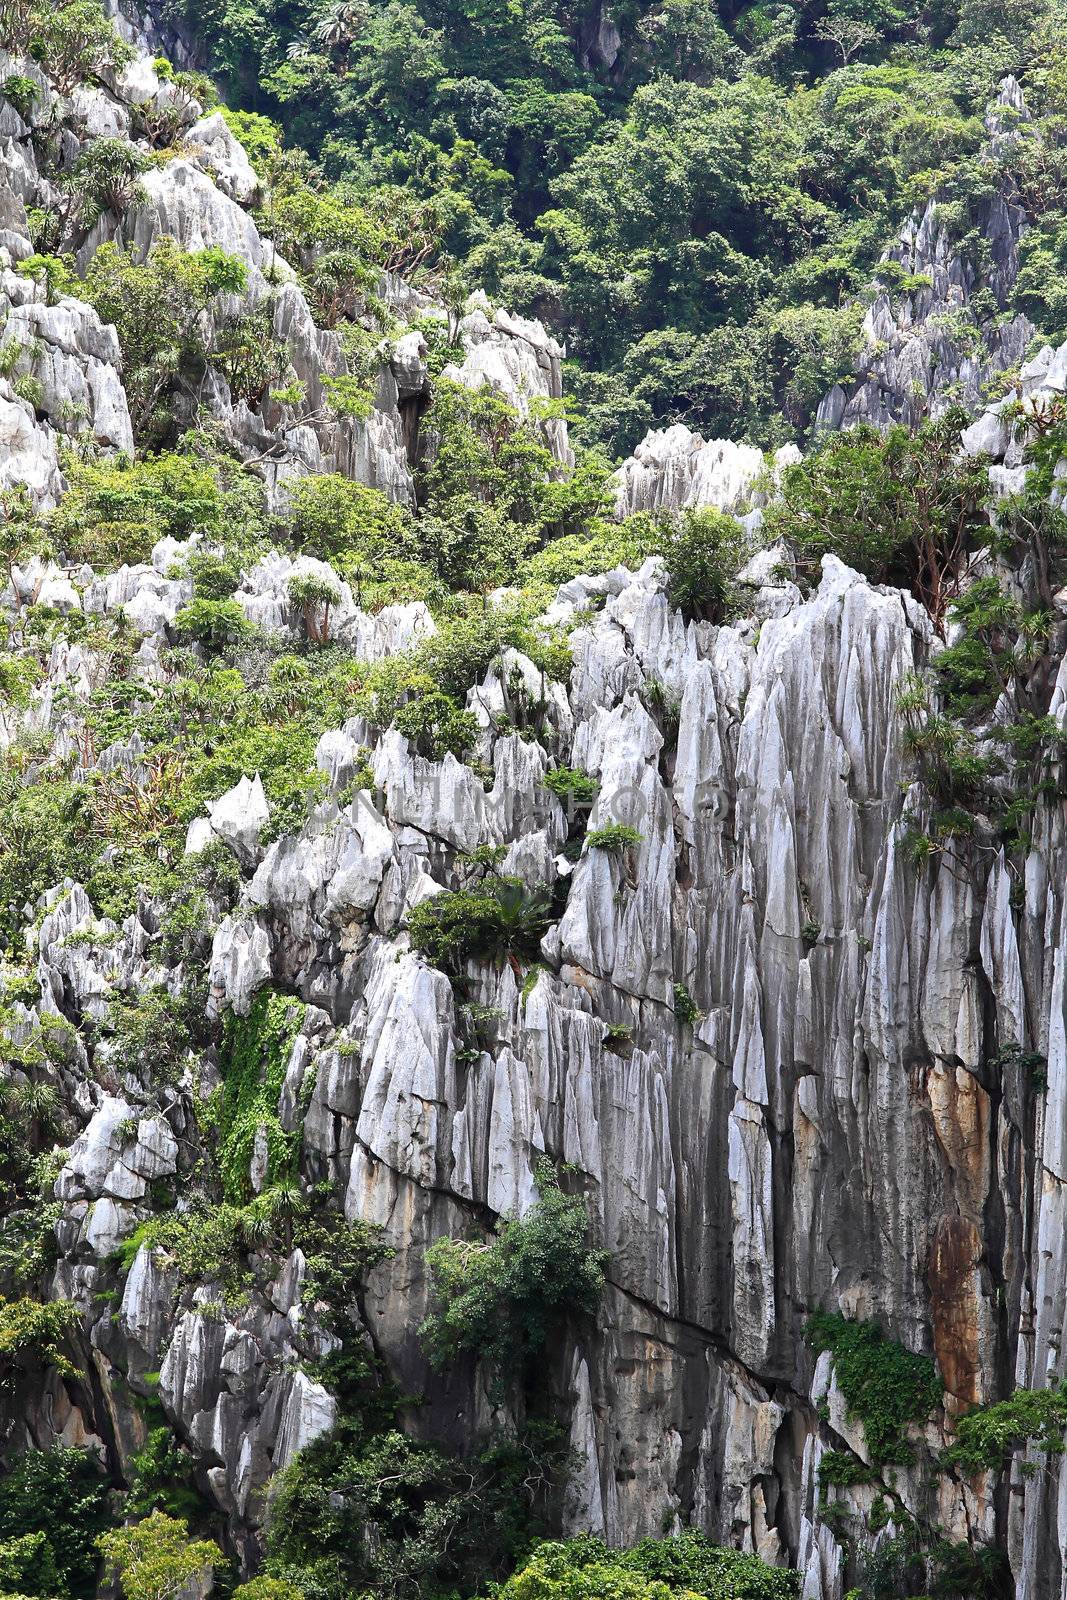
(654, 1569)
(988, 1435)
(500, 1300)
(255, 1055)
(213, 1243)
(885, 1387)
(36, 1334)
(497, 920)
(58, 1499)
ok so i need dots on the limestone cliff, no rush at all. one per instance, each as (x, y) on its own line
(774, 1051)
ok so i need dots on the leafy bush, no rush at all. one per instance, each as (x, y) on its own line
(433, 723)
(603, 546)
(256, 1051)
(885, 1386)
(656, 1569)
(261, 138)
(23, 92)
(685, 1007)
(268, 1588)
(213, 623)
(500, 1301)
(441, 1526)
(23, 1563)
(156, 306)
(156, 1558)
(212, 1242)
(61, 1497)
(955, 766)
(116, 510)
(152, 1031)
(703, 551)
(313, 596)
(842, 1470)
(493, 491)
(899, 507)
(161, 1478)
(988, 1435)
(104, 177)
(34, 1333)
(495, 921)
(572, 785)
(617, 836)
(995, 643)
(73, 40)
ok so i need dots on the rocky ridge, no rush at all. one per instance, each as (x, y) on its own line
(829, 1129)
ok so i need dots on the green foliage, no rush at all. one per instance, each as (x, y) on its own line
(156, 306)
(899, 507)
(988, 1435)
(35, 1333)
(23, 92)
(842, 1470)
(603, 546)
(917, 1560)
(703, 551)
(955, 766)
(55, 273)
(685, 1007)
(495, 921)
(152, 1032)
(345, 522)
(73, 39)
(161, 1478)
(261, 138)
(433, 723)
(885, 1386)
(211, 1243)
(995, 642)
(115, 510)
(616, 837)
(256, 1051)
(313, 596)
(268, 1588)
(156, 1558)
(23, 1562)
(656, 1569)
(572, 786)
(59, 1498)
(104, 178)
(493, 491)
(441, 1526)
(500, 1301)
(212, 623)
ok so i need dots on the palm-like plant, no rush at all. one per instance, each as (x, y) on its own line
(340, 25)
(523, 917)
(37, 1106)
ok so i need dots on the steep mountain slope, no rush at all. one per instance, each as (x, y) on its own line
(533, 999)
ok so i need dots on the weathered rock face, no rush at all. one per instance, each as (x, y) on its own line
(202, 198)
(933, 342)
(770, 1048)
(836, 1090)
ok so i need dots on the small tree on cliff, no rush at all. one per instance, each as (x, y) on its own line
(155, 1559)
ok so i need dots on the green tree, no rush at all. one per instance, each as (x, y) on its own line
(58, 1497)
(656, 1569)
(155, 1559)
(500, 1300)
(156, 305)
(703, 552)
(899, 507)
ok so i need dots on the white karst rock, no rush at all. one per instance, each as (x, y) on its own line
(784, 1065)
(674, 469)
